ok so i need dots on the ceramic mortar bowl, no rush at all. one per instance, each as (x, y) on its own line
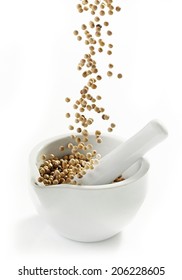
(88, 213)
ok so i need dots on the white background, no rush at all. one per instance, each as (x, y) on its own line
(38, 59)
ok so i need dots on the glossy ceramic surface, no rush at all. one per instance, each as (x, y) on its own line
(88, 213)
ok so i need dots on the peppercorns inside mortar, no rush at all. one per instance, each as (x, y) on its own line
(55, 170)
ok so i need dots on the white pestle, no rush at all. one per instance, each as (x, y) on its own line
(116, 162)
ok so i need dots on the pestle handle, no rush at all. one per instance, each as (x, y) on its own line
(116, 162)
